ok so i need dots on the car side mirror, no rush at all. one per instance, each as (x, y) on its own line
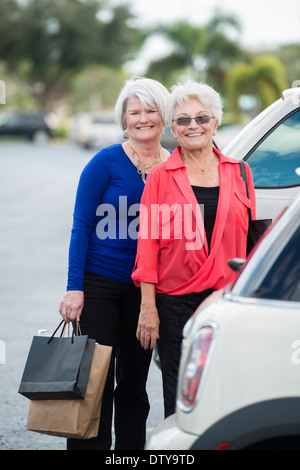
(236, 264)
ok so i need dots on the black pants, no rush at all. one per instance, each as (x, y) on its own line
(174, 311)
(110, 316)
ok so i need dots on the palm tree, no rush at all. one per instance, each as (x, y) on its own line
(204, 52)
(263, 78)
(188, 45)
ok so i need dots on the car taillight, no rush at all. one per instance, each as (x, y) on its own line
(194, 368)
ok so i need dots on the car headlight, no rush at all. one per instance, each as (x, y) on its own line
(195, 367)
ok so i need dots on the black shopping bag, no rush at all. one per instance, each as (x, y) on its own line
(255, 231)
(57, 367)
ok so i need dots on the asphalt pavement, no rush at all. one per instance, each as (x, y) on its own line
(37, 192)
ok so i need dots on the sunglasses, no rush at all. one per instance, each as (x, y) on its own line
(186, 121)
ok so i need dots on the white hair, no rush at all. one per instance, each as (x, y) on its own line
(203, 92)
(148, 91)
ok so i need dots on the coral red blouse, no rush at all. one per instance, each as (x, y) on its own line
(172, 247)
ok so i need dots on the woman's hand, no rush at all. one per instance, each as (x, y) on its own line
(148, 326)
(71, 305)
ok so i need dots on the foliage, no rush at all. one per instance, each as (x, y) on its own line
(263, 78)
(188, 45)
(76, 51)
(222, 47)
(289, 56)
(95, 88)
(206, 52)
(45, 42)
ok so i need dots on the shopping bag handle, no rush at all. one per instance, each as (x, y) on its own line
(76, 330)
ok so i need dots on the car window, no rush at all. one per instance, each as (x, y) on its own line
(274, 160)
(283, 279)
(33, 120)
(14, 120)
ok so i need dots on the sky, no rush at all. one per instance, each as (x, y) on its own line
(265, 23)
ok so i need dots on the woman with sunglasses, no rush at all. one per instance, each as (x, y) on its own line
(100, 291)
(194, 217)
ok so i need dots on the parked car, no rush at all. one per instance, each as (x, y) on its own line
(225, 134)
(167, 140)
(270, 143)
(95, 130)
(240, 366)
(34, 126)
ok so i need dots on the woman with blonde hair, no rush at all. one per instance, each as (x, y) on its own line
(100, 292)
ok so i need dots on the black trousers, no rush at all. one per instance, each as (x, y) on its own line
(174, 311)
(110, 316)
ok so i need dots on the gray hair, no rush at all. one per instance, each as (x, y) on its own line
(148, 91)
(203, 92)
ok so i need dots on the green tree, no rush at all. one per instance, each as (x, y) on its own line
(206, 52)
(263, 78)
(222, 48)
(46, 42)
(188, 46)
(289, 55)
(95, 88)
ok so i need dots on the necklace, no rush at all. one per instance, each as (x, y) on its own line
(141, 166)
(198, 166)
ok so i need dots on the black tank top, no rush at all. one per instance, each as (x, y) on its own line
(208, 198)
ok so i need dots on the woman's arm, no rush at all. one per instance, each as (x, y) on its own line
(148, 325)
(93, 182)
(146, 266)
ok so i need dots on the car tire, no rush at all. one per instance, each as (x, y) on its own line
(40, 137)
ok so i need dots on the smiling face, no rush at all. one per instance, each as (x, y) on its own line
(194, 136)
(143, 124)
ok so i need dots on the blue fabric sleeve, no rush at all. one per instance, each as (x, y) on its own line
(93, 181)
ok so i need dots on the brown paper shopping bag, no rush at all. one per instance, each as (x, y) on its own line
(75, 418)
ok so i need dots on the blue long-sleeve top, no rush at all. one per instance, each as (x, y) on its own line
(105, 221)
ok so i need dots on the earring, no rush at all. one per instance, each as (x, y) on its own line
(125, 134)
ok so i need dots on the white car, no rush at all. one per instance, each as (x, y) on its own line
(270, 143)
(95, 130)
(239, 373)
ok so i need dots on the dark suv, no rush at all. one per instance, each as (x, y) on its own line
(35, 126)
